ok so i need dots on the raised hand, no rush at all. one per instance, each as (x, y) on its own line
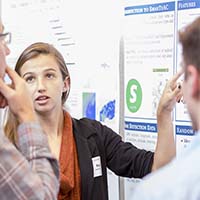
(172, 93)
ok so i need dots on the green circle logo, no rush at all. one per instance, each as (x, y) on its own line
(133, 95)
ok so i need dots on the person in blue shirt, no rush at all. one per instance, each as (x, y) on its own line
(180, 179)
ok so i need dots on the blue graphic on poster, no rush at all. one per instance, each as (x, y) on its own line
(108, 111)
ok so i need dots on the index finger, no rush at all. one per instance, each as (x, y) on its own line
(12, 75)
(177, 75)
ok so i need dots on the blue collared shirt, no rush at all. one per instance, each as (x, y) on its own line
(179, 180)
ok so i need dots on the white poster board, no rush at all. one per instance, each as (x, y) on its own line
(152, 56)
(87, 34)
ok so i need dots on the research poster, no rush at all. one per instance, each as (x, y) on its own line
(151, 56)
(87, 34)
(187, 11)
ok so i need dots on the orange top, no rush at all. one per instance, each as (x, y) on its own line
(70, 180)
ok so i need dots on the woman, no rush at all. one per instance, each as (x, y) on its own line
(83, 147)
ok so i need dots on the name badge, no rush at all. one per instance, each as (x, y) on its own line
(97, 171)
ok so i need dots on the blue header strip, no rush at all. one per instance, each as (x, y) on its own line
(184, 130)
(140, 126)
(151, 8)
(183, 5)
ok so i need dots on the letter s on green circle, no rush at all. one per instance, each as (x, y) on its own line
(133, 95)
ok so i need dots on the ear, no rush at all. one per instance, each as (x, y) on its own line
(66, 84)
(194, 80)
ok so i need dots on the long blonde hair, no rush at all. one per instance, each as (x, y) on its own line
(33, 51)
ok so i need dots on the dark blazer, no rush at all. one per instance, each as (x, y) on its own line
(94, 140)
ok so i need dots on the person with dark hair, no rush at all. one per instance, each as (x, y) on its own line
(85, 148)
(28, 170)
(180, 179)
